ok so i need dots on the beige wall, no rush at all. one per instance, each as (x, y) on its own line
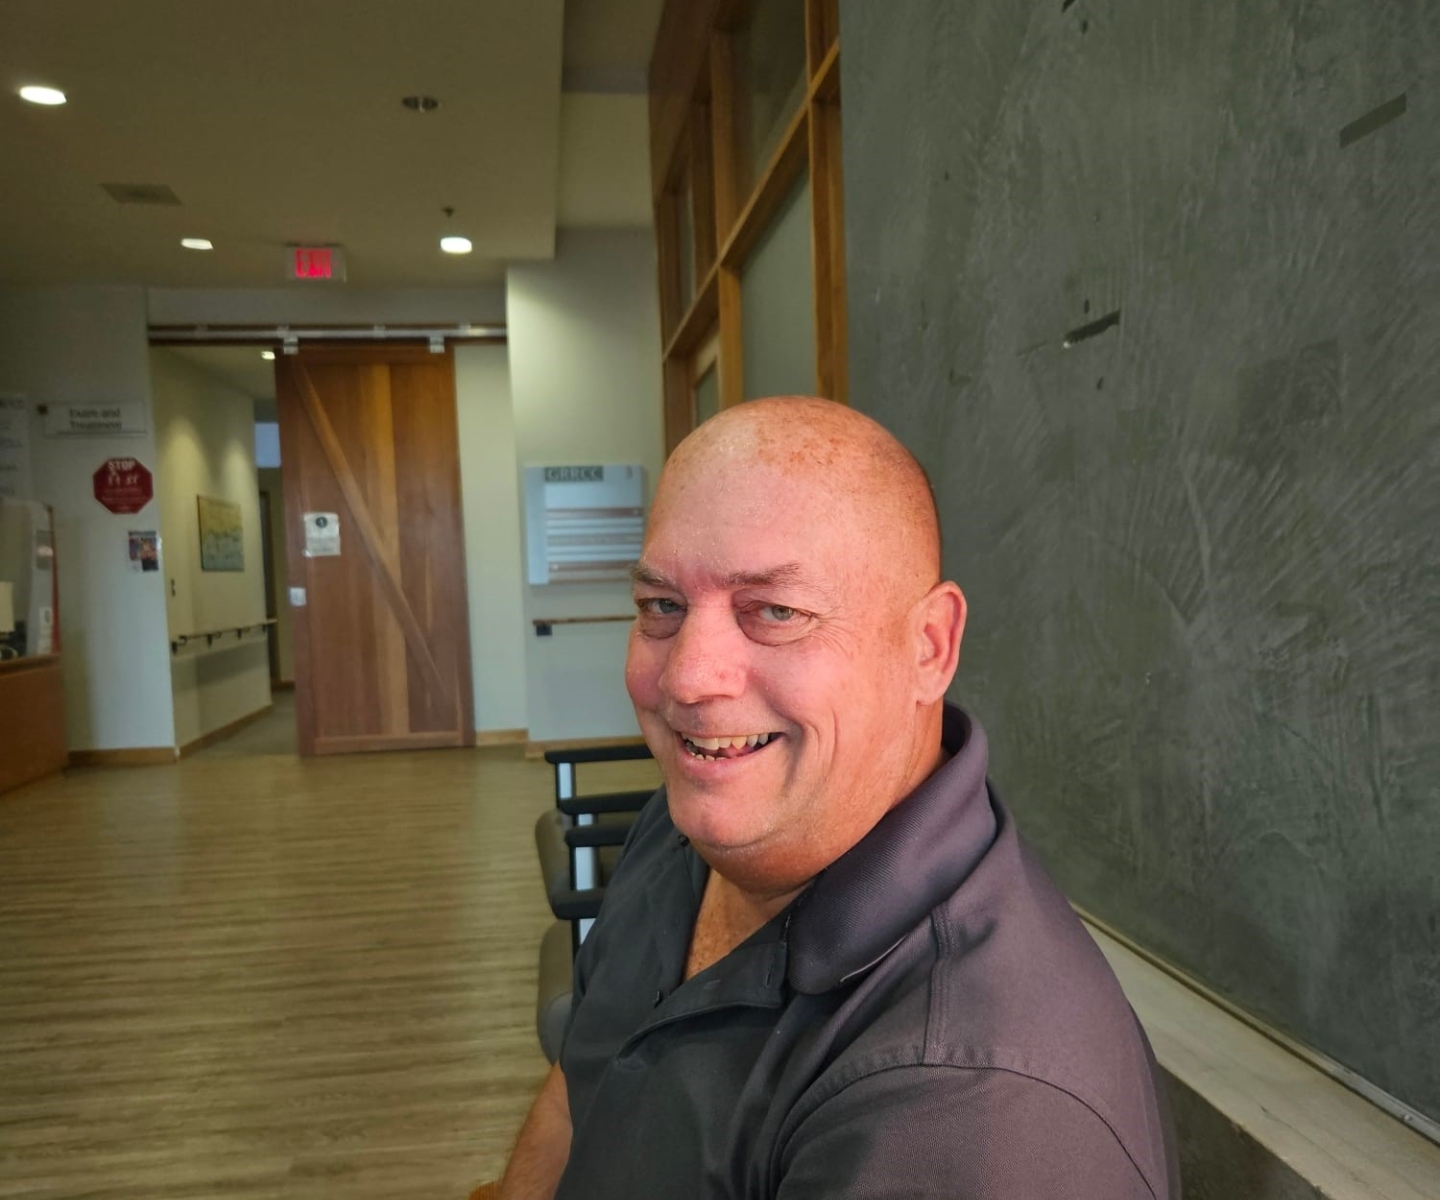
(272, 483)
(490, 496)
(584, 336)
(88, 344)
(205, 434)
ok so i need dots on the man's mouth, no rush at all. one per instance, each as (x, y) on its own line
(732, 746)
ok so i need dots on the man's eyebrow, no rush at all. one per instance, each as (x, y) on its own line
(784, 575)
(640, 573)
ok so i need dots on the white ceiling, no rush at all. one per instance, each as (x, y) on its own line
(280, 122)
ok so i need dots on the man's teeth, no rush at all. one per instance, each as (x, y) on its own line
(751, 739)
(707, 748)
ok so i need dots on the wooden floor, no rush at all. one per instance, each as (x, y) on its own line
(248, 975)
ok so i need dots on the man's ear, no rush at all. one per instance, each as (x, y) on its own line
(939, 626)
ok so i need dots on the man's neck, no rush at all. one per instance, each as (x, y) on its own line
(728, 915)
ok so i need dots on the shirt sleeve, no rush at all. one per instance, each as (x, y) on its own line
(957, 1133)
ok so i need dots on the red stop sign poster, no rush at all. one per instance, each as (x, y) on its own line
(124, 485)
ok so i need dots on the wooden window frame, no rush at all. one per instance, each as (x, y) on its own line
(693, 111)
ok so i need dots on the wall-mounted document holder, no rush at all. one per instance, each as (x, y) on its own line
(583, 523)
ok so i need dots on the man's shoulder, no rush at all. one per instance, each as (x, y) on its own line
(975, 1128)
(1003, 995)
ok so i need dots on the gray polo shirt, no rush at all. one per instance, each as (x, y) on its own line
(928, 1019)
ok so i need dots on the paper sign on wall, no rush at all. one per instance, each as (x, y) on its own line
(94, 420)
(322, 535)
(144, 549)
(14, 447)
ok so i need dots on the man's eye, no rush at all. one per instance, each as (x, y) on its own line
(658, 606)
(778, 613)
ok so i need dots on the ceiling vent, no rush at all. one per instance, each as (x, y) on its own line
(140, 193)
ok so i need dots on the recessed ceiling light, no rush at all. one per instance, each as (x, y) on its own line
(197, 243)
(42, 95)
(268, 355)
(456, 245)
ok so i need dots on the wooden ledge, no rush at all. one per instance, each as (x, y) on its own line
(15, 666)
(1335, 1140)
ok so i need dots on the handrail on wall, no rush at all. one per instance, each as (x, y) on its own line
(543, 625)
(211, 636)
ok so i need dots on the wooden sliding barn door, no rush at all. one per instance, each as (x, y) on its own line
(376, 548)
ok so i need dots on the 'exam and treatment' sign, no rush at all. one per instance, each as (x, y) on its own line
(69, 420)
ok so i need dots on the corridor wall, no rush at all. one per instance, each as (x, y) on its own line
(585, 375)
(88, 345)
(205, 434)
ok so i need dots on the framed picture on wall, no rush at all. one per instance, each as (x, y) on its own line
(222, 543)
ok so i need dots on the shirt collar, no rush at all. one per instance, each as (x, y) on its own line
(919, 853)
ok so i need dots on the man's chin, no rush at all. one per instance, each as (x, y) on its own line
(710, 821)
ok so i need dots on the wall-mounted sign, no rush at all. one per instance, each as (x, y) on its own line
(14, 447)
(144, 548)
(315, 262)
(94, 420)
(124, 485)
(584, 522)
(322, 535)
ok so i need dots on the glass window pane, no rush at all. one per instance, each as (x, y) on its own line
(770, 83)
(707, 395)
(777, 313)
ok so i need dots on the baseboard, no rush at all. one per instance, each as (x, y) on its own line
(219, 735)
(537, 749)
(501, 737)
(131, 756)
(282, 685)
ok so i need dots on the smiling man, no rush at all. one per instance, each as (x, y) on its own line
(827, 966)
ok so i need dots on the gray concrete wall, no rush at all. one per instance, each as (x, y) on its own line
(1202, 546)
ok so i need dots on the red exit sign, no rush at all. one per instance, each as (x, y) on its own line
(315, 262)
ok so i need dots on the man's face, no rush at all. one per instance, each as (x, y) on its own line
(767, 618)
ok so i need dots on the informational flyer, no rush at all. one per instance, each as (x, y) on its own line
(322, 535)
(144, 549)
(14, 447)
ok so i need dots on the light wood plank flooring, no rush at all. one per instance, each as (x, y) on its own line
(248, 975)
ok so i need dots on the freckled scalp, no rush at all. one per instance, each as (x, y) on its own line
(857, 465)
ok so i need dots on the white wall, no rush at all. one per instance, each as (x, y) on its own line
(494, 574)
(584, 338)
(205, 433)
(73, 344)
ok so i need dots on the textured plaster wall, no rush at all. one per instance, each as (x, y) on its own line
(1202, 547)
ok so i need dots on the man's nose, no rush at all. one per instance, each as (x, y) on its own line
(706, 659)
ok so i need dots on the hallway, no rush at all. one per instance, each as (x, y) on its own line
(248, 975)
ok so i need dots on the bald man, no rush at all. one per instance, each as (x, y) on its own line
(827, 966)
